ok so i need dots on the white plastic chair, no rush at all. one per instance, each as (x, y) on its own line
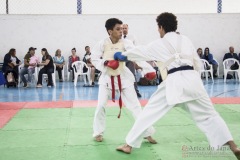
(227, 63)
(35, 77)
(204, 69)
(78, 71)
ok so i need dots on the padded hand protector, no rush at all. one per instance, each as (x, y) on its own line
(112, 64)
(120, 57)
(150, 75)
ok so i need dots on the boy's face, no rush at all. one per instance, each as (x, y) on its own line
(116, 33)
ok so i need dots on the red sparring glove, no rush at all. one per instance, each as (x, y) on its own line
(112, 64)
(150, 75)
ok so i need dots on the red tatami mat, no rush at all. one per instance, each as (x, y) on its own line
(6, 115)
(51, 104)
(9, 109)
(11, 105)
(230, 100)
(89, 103)
(93, 103)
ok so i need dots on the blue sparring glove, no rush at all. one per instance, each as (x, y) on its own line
(120, 57)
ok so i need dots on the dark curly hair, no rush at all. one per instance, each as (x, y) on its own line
(110, 23)
(168, 21)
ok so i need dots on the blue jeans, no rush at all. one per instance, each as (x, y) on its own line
(30, 73)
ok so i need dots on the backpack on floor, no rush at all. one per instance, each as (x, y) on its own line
(10, 77)
(2, 78)
(10, 80)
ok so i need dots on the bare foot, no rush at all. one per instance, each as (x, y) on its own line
(237, 153)
(234, 148)
(125, 148)
(99, 138)
(151, 140)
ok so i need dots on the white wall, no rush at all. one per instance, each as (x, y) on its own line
(216, 31)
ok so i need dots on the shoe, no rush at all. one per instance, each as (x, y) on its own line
(125, 148)
(25, 85)
(49, 85)
(99, 138)
(29, 84)
(39, 86)
(60, 80)
(151, 140)
(93, 83)
(139, 95)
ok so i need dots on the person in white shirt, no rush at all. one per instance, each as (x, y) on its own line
(115, 76)
(182, 86)
(128, 36)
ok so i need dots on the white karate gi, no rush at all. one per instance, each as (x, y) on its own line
(129, 96)
(182, 88)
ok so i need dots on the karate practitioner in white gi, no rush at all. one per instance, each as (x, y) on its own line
(116, 76)
(182, 87)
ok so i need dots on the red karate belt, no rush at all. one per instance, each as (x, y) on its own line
(113, 92)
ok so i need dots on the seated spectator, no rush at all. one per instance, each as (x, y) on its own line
(231, 54)
(11, 63)
(209, 57)
(48, 68)
(89, 64)
(87, 60)
(25, 69)
(71, 59)
(200, 54)
(59, 61)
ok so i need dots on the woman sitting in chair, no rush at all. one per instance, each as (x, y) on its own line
(59, 62)
(48, 68)
(11, 63)
(71, 59)
(209, 57)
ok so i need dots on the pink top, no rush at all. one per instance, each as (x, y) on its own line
(33, 60)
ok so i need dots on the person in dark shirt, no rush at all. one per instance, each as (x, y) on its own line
(24, 70)
(209, 57)
(48, 68)
(231, 54)
(11, 63)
